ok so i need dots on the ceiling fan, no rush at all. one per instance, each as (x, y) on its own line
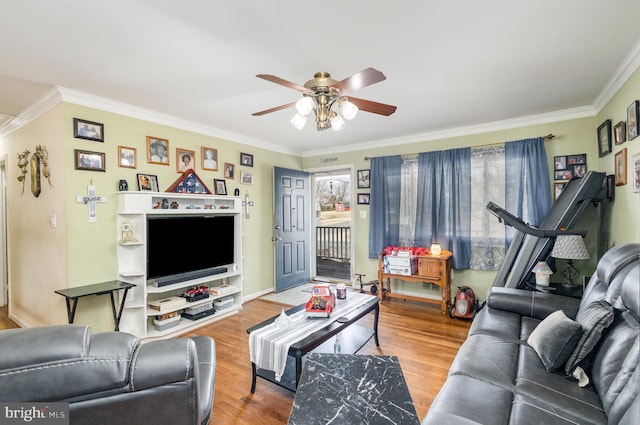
(322, 92)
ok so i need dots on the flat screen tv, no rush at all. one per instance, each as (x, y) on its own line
(187, 247)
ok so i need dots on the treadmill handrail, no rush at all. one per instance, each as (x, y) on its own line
(513, 221)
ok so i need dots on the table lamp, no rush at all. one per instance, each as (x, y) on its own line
(435, 249)
(543, 272)
(570, 247)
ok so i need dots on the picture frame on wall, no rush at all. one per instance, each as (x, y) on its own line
(127, 157)
(246, 178)
(209, 158)
(246, 159)
(557, 190)
(88, 130)
(604, 138)
(157, 150)
(90, 161)
(635, 163)
(364, 179)
(364, 198)
(185, 160)
(147, 182)
(567, 167)
(229, 171)
(633, 120)
(620, 133)
(220, 186)
(620, 167)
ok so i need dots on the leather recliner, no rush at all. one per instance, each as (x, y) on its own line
(110, 377)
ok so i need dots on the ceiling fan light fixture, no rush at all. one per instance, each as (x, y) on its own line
(298, 121)
(304, 105)
(348, 109)
(337, 123)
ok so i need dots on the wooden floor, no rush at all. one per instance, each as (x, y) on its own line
(424, 340)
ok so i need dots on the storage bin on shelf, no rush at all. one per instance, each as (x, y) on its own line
(223, 303)
(161, 325)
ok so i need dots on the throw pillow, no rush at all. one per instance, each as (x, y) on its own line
(554, 339)
(594, 319)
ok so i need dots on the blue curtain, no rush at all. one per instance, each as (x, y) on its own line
(444, 197)
(384, 226)
(527, 182)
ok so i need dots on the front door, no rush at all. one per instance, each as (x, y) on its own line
(291, 227)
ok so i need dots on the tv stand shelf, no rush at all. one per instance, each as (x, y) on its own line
(134, 210)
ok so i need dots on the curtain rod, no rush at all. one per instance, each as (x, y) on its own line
(549, 136)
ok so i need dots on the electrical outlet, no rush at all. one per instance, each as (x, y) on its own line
(363, 214)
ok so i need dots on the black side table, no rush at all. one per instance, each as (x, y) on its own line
(71, 296)
(557, 288)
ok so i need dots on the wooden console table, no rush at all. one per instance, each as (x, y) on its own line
(431, 269)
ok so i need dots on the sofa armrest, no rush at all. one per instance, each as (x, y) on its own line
(163, 362)
(531, 303)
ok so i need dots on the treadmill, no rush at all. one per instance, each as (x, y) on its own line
(532, 244)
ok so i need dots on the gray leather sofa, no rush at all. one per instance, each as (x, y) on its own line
(497, 377)
(111, 377)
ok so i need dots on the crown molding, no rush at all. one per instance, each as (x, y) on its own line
(626, 69)
(120, 108)
(531, 120)
(38, 108)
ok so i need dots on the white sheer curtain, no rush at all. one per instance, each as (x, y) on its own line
(408, 200)
(487, 184)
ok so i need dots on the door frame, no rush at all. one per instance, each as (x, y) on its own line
(4, 256)
(313, 172)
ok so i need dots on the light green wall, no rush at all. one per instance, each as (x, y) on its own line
(76, 252)
(576, 136)
(625, 215)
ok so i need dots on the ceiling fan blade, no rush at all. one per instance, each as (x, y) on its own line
(373, 107)
(282, 82)
(277, 108)
(362, 79)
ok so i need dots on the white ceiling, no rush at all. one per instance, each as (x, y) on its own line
(449, 64)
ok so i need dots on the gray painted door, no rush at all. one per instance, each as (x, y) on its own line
(291, 227)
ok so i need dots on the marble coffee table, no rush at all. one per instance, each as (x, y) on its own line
(352, 389)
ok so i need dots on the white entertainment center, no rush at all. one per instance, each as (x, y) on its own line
(134, 210)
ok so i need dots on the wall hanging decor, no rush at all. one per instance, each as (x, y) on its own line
(90, 200)
(604, 138)
(38, 164)
(633, 120)
(189, 182)
(88, 130)
(157, 150)
(620, 167)
(209, 158)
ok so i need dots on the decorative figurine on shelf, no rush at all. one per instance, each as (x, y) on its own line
(174, 205)
(165, 204)
(126, 232)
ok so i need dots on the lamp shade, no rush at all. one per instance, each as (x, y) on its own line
(349, 110)
(337, 123)
(436, 249)
(298, 121)
(570, 247)
(543, 273)
(304, 105)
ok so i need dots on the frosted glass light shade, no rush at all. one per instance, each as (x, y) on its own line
(304, 105)
(349, 110)
(436, 249)
(298, 121)
(337, 123)
(543, 273)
